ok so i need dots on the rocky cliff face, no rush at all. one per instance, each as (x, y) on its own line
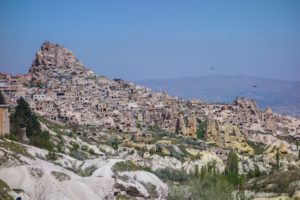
(227, 136)
(53, 60)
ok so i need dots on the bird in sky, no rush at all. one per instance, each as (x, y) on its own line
(254, 86)
(212, 68)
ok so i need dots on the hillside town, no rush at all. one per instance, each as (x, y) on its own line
(62, 89)
(150, 128)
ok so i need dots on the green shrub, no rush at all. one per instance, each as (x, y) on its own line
(42, 141)
(23, 117)
(208, 187)
(231, 170)
(179, 192)
(91, 151)
(4, 191)
(52, 156)
(168, 174)
(79, 155)
(257, 147)
(75, 146)
(114, 142)
(125, 166)
(151, 190)
(88, 171)
(84, 147)
(201, 130)
(15, 147)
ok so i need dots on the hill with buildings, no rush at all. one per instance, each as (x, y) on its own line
(113, 139)
(282, 96)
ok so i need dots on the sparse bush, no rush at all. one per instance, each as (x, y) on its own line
(91, 151)
(201, 130)
(231, 170)
(89, 170)
(114, 142)
(179, 192)
(257, 147)
(79, 155)
(168, 174)
(125, 166)
(60, 176)
(4, 191)
(84, 147)
(42, 141)
(151, 190)
(15, 148)
(52, 156)
(207, 187)
(75, 146)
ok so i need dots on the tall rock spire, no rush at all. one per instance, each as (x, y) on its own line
(54, 60)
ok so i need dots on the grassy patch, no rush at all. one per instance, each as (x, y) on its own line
(258, 147)
(172, 175)
(88, 171)
(52, 126)
(15, 148)
(277, 182)
(151, 190)
(79, 155)
(125, 166)
(201, 130)
(124, 197)
(42, 141)
(4, 189)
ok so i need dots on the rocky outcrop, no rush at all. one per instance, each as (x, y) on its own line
(188, 128)
(192, 126)
(232, 137)
(180, 126)
(212, 130)
(53, 60)
(269, 123)
(227, 136)
(39, 178)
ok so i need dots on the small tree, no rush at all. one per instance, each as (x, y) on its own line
(201, 130)
(24, 118)
(277, 159)
(2, 99)
(232, 169)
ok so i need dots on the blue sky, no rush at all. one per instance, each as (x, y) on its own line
(141, 39)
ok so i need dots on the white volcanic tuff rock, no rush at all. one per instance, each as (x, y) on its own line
(40, 177)
(159, 162)
(44, 183)
(148, 178)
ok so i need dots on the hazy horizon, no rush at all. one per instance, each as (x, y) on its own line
(138, 40)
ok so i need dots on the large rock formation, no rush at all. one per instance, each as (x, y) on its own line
(180, 126)
(212, 130)
(188, 128)
(232, 137)
(269, 123)
(53, 60)
(192, 126)
(227, 136)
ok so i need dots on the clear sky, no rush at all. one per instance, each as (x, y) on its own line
(139, 39)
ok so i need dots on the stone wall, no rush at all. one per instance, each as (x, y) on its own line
(4, 120)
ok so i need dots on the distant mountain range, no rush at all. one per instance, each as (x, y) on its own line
(282, 96)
